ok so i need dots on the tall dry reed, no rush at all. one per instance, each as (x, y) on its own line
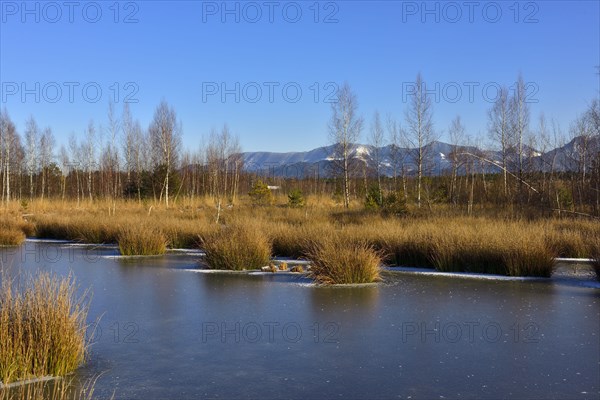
(42, 327)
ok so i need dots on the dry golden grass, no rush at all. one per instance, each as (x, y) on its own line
(85, 227)
(289, 241)
(181, 226)
(141, 240)
(507, 248)
(526, 251)
(438, 240)
(338, 260)
(42, 327)
(236, 247)
(13, 229)
(11, 237)
(570, 237)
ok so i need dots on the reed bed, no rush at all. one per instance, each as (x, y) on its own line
(42, 327)
(181, 229)
(440, 240)
(88, 228)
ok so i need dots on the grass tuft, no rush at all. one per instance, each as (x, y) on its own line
(141, 240)
(12, 230)
(236, 247)
(11, 237)
(42, 327)
(338, 260)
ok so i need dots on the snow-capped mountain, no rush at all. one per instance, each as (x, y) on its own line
(322, 161)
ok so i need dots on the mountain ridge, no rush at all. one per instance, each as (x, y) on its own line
(320, 161)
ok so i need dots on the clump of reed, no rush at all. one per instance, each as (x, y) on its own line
(236, 247)
(503, 249)
(13, 230)
(530, 258)
(42, 327)
(11, 237)
(476, 245)
(338, 260)
(141, 240)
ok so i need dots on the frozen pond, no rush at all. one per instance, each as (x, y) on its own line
(167, 332)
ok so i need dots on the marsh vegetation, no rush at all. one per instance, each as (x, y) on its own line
(247, 236)
(42, 327)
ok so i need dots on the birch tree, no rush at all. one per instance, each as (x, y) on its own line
(31, 152)
(9, 141)
(47, 144)
(224, 165)
(345, 127)
(499, 131)
(111, 157)
(128, 143)
(376, 140)
(457, 137)
(397, 140)
(419, 122)
(65, 164)
(165, 139)
(89, 155)
(519, 123)
(77, 162)
(140, 155)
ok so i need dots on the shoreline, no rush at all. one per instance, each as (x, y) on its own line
(567, 262)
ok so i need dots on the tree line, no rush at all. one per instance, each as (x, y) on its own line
(125, 160)
(518, 168)
(121, 160)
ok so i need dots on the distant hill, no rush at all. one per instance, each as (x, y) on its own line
(321, 161)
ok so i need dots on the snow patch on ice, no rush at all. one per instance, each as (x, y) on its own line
(467, 275)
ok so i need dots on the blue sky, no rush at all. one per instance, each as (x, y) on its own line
(185, 51)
